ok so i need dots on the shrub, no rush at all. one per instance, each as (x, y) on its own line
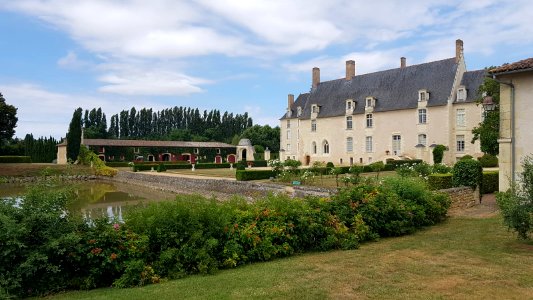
(276, 165)
(161, 168)
(330, 165)
(467, 157)
(440, 181)
(488, 161)
(87, 157)
(292, 164)
(15, 159)
(241, 165)
(260, 163)
(517, 203)
(438, 153)
(467, 172)
(212, 166)
(441, 169)
(399, 162)
(117, 164)
(246, 175)
(490, 182)
(145, 167)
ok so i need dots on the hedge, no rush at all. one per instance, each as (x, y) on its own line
(14, 159)
(490, 182)
(145, 167)
(246, 175)
(440, 181)
(488, 161)
(399, 162)
(117, 164)
(211, 166)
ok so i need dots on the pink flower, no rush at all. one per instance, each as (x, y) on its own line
(116, 226)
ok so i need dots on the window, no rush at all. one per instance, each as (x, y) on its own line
(422, 116)
(370, 102)
(299, 111)
(460, 117)
(196, 150)
(288, 123)
(314, 109)
(349, 144)
(422, 139)
(369, 123)
(460, 143)
(396, 144)
(461, 94)
(288, 147)
(325, 147)
(349, 122)
(348, 105)
(218, 150)
(313, 125)
(368, 144)
(288, 134)
(313, 148)
(422, 95)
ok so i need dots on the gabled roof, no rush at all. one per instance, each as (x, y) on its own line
(144, 143)
(519, 66)
(471, 81)
(393, 89)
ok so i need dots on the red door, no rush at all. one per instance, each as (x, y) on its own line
(218, 159)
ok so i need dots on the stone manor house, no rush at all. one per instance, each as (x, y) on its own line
(400, 113)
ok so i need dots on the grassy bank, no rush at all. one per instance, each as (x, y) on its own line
(461, 258)
(22, 170)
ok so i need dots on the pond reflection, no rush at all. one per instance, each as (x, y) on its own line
(95, 199)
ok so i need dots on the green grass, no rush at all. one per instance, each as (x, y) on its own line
(39, 169)
(463, 258)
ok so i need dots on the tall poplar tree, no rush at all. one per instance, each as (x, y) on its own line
(74, 135)
(8, 120)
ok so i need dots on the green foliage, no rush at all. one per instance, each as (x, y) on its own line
(441, 169)
(467, 157)
(41, 150)
(263, 136)
(152, 166)
(330, 165)
(14, 159)
(488, 161)
(292, 164)
(399, 162)
(8, 120)
(516, 204)
(241, 165)
(117, 164)
(467, 172)
(89, 158)
(487, 132)
(438, 153)
(74, 135)
(161, 168)
(246, 175)
(490, 182)
(439, 181)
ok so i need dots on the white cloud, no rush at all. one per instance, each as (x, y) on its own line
(71, 61)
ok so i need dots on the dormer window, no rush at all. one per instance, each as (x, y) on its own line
(298, 111)
(315, 109)
(370, 102)
(349, 105)
(461, 94)
(423, 95)
(289, 113)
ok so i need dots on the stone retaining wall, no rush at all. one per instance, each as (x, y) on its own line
(31, 179)
(219, 188)
(462, 197)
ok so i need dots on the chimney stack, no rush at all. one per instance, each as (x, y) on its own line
(458, 50)
(350, 69)
(403, 62)
(290, 101)
(316, 77)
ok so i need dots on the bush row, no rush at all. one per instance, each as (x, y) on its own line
(489, 183)
(117, 164)
(246, 175)
(14, 159)
(45, 250)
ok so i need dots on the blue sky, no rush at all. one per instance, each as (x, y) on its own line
(238, 56)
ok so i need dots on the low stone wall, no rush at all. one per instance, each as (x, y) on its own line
(31, 179)
(219, 188)
(462, 197)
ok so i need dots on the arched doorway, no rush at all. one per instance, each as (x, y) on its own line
(186, 157)
(218, 159)
(151, 157)
(102, 157)
(231, 158)
(243, 154)
(165, 157)
(307, 160)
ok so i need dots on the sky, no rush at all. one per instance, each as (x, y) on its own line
(230, 55)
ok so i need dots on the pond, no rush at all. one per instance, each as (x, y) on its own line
(100, 198)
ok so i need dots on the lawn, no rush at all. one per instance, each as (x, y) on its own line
(465, 258)
(42, 169)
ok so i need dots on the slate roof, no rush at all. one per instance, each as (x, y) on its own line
(523, 65)
(472, 80)
(393, 89)
(144, 143)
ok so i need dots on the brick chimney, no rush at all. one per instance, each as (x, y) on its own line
(316, 77)
(290, 101)
(350, 69)
(403, 62)
(458, 50)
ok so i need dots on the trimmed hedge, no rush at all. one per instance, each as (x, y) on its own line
(246, 175)
(399, 162)
(488, 161)
(15, 159)
(490, 182)
(440, 181)
(260, 163)
(212, 166)
(117, 164)
(146, 167)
